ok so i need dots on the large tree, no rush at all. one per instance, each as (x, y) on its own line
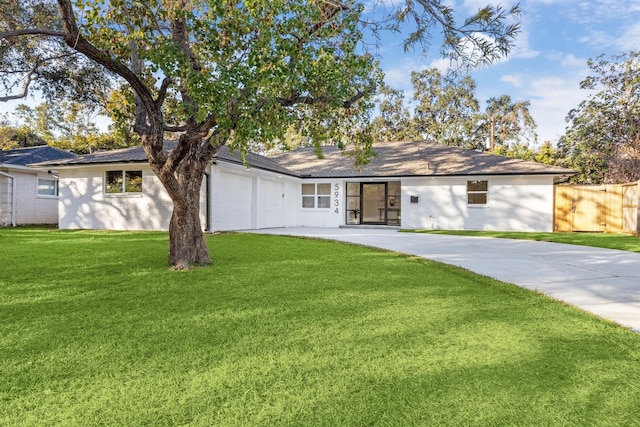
(507, 122)
(446, 107)
(394, 123)
(602, 140)
(241, 71)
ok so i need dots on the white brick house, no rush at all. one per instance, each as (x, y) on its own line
(28, 195)
(409, 185)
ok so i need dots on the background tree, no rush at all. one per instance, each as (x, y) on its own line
(446, 107)
(240, 72)
(507, 122)
(394, 122)
(447, 111)
(16, 137)
(602, 141)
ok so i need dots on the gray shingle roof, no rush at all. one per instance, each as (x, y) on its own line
(401, 159)
(122, 155)
(395, 159)
(28, 155)
(137, 155)
(254, 160)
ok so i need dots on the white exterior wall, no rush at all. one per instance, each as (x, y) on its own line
(30, 207)
(244, 199)
(84, 203)
(316, 217)
(6, 200)
(522, 203)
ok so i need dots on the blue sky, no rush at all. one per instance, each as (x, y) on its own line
(549, 59)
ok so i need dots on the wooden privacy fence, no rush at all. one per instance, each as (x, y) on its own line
(610, 208)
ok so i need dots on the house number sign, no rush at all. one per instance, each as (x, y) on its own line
(336, 197)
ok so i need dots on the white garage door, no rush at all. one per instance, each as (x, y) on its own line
(270, 204)
(232, 209)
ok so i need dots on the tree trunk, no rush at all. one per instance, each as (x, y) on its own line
(187, 246)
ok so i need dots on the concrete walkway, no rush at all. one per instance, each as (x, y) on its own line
(604, 282)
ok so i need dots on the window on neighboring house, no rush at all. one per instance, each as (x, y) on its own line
(118, 182)
(47, 187)
(477, 192)
(316, 196)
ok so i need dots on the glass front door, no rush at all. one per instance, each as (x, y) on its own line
(373, 203)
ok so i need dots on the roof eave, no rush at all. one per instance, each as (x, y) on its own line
(17, 167)
(434, 175)
(238, 162)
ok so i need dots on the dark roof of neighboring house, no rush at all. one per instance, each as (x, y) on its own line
(395, 159)
(28, 155)
(401, 159)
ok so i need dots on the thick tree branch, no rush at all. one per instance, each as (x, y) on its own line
(179, 36)
(25, 89)
(168, 128)
(329, 11)
(77, 42)
(310, 100)
(136, 68)
(29, 77)
(31, 32)
(162, 92)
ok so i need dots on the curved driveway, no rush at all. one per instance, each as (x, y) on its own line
(604, 282)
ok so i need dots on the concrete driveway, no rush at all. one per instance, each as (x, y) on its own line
(604, 282)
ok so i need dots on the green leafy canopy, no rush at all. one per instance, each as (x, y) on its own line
(256, 66)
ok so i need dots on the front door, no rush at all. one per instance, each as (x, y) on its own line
(373, 203)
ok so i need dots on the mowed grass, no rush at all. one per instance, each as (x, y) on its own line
(96, 330)
(622, 242)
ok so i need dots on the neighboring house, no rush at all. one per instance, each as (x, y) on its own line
(409, 184)
(28, 195)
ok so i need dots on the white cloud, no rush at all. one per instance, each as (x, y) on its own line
(571, 60)
(398, 78)
(551, 100)
(442, 64)
(597, 39)
(630, 40)
(513, 79)
(521, 48)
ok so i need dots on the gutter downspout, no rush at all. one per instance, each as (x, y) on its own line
(14, 189)
(207, 227)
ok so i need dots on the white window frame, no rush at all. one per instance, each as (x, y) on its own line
(319, 195)
(473, 192)
(123, 188)
(55, 186)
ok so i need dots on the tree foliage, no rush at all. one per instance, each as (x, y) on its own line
(447, 111)
(16, 137)
(446, 107)
(479, 40)
(602, 141)
(508, 123)
(35, 58)
(394, 123)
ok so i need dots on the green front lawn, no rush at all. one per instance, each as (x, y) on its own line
(96, 330)
(623, 242)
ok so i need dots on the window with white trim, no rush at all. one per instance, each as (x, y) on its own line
(316, 196)
(120, 182)
(477, 192)
(47, 187)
